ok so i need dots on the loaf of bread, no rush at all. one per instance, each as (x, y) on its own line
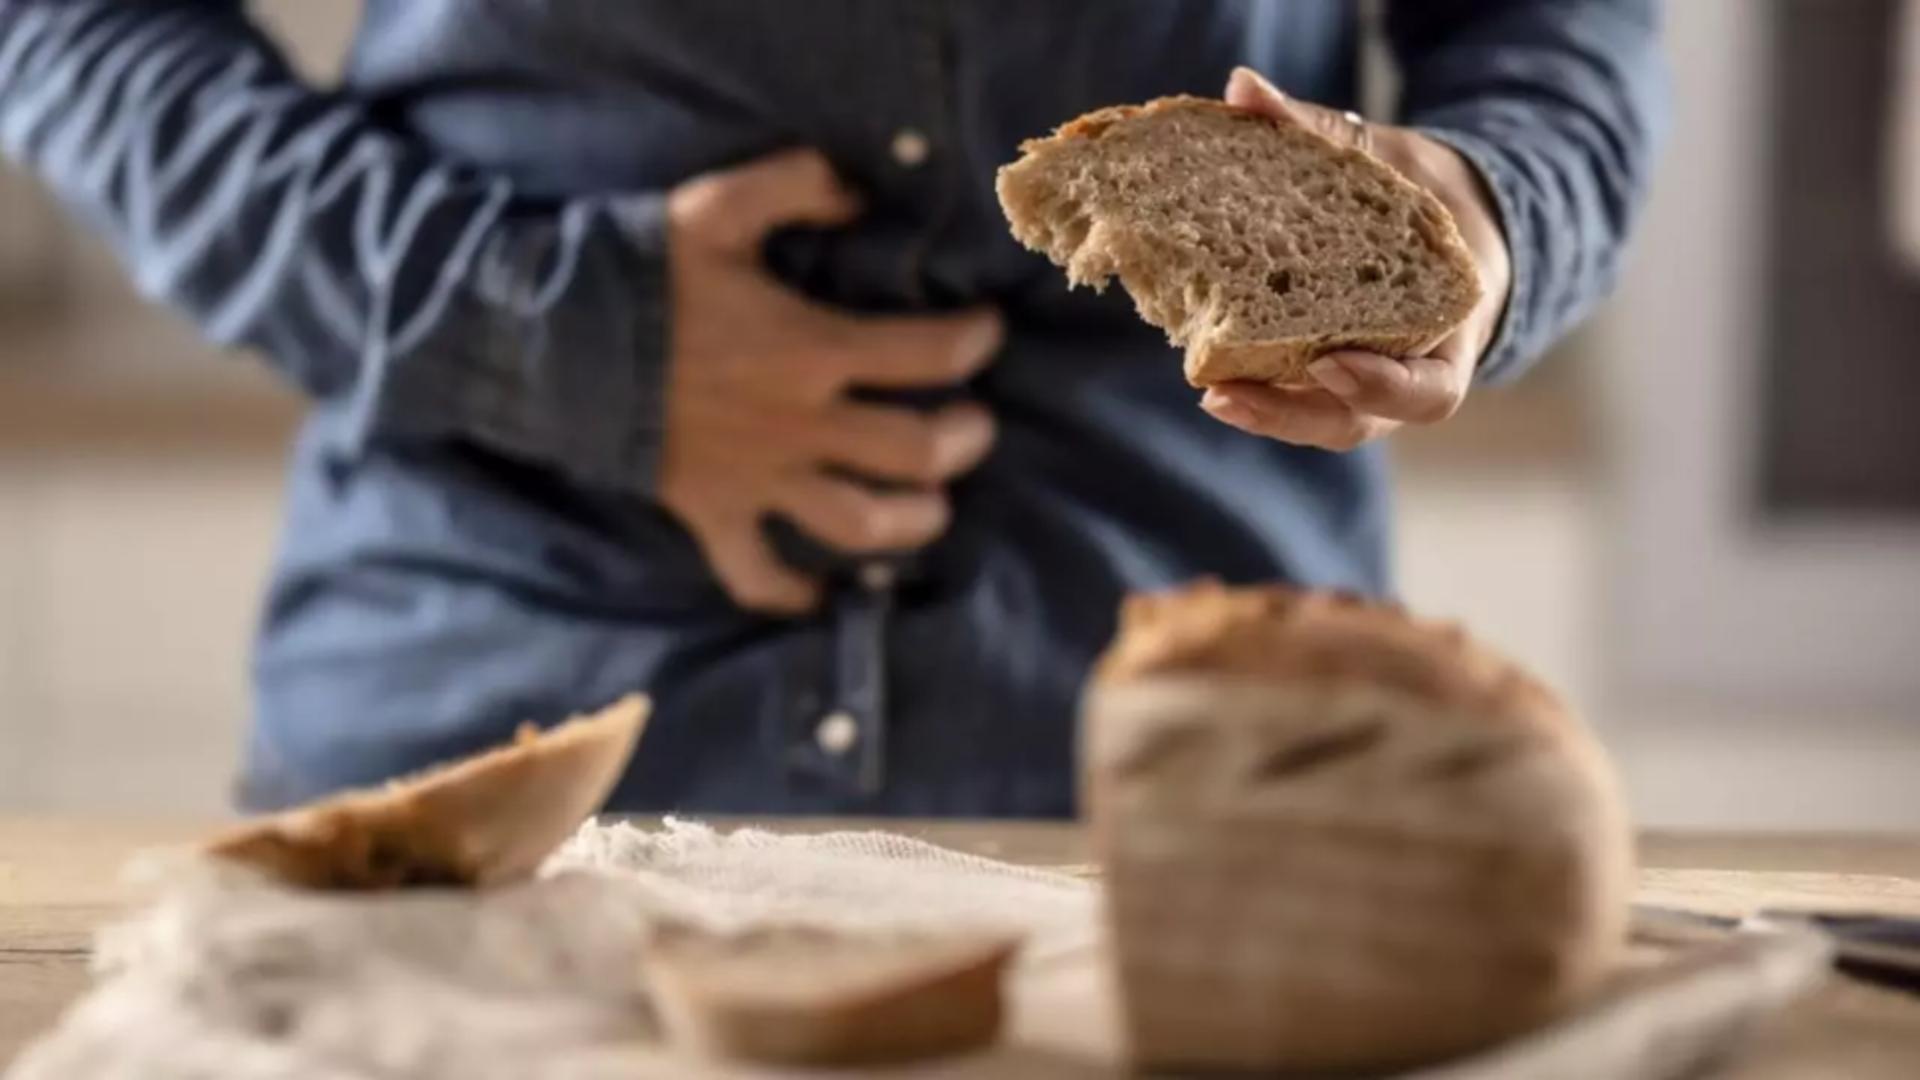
(488, 819)
(1337, 837)
(1256, 244)
(803, 996)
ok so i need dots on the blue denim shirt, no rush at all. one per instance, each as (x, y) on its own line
(457, 254)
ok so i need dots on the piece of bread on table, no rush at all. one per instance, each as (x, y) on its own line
(486, 820)
(1339, 837)
(1256, 244)
(804, 996)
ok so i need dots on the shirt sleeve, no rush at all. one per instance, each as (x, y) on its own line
(1560, 104)
(429, 301)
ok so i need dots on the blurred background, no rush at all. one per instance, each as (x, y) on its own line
(1701, 521)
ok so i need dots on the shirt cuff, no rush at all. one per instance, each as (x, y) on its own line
(555, 350)
(1506, 353)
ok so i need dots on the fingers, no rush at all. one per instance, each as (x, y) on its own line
(1361, 396)
(733, 210)
(1248, 89)
(856, 518)
(1419, 390)
(752, 574)
(1301, 417)
(915, 351)
(900, 444)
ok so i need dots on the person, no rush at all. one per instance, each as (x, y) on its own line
(683, 347)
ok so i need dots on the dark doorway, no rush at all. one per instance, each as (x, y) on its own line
(1842, 383)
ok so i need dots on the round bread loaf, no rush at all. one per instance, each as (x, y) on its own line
(1339, 837)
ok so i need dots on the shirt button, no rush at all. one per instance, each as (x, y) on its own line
(910, 147)
(837, 732)
(877, 576)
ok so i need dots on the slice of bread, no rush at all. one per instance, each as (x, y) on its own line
(1337, 837)
(486, 820)
(1256, 244)
(803, 996)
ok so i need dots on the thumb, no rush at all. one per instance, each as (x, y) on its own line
(734, 209)
(1248, 89)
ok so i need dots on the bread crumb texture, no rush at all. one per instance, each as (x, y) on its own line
(1256, 244)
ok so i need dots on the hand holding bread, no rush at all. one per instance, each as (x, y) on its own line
(1362, 395)
(1329, 280)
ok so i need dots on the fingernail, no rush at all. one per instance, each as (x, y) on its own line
(1330, 374)
(982, 335)
(1248, 80)
(1382, 371)
(974, 422)
(1226, 409)
(989, 335)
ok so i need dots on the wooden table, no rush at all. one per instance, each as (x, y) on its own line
(58, 882)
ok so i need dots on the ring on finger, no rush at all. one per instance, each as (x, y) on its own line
(1362, 135)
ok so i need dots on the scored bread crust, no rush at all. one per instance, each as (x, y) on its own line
(1054, 214)
(1383, 843)
(1282, 634)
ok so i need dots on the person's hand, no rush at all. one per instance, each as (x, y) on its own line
(758, 419)
(1364, 395)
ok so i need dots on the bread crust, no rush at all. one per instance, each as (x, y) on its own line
(1281, 634)
(485, 820)
(815, 997)
(1211, 359)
